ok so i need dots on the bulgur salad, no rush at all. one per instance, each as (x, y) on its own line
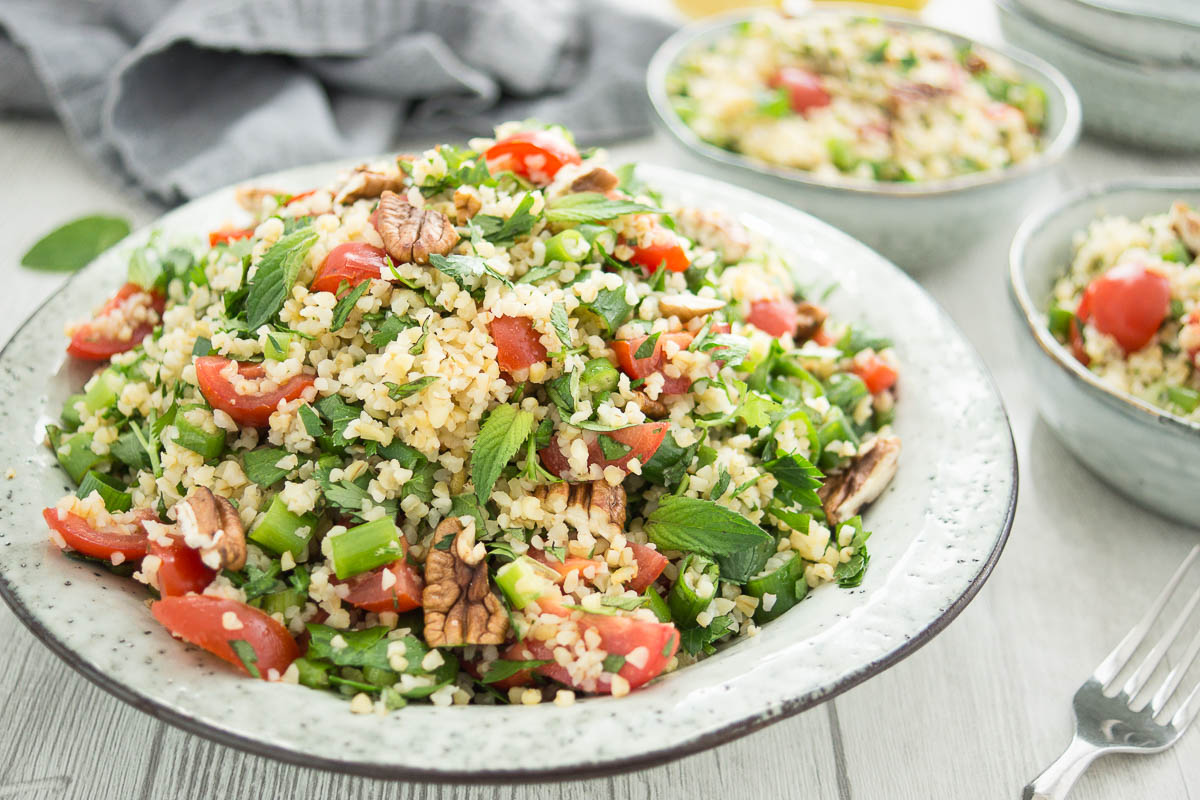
(848, 96)
(475, 425)
(1129, 306)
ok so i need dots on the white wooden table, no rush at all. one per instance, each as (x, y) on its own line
(973, 714)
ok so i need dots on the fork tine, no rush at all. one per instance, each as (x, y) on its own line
(1115, 661)
(1187, 712)
(1163, 695)
(1138, 679)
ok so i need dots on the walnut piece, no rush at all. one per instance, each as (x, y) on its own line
(809, 320)
(1186, 223)
(461, 606)
(213, 523)
(410, 234)
(466, 205)
(364, 182)
(598, 179)
(688, 306)
(846, 493)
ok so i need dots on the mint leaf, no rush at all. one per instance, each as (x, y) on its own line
(539, 273)
(502, 669)
(700, 526)
(504, 232)
(341, 311)
(646, 348)
(558, 320)
(502, 434)
(610, 309)
(798, 480)
(592, 207)
(340, 414)
(275, 276)
(389, 329)
(71, 246)
(312, 422)
(398, 391)
(259, 466)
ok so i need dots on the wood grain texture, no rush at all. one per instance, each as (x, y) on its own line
(974, 714)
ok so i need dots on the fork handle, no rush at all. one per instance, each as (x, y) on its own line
(1058, 778)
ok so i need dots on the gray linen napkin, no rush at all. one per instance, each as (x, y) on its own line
(179, 97)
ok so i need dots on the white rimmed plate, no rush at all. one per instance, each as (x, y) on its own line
(938, 531)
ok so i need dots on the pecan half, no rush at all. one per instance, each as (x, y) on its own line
(460, 605)
(211, 524)
(688, 306)
(654, 409)
(595, 503)
(466, 205)
(411, 234)
(846, 493)
(598, 179)
(1186, 223)
(809, 320)
(251, 197)
(368, 183)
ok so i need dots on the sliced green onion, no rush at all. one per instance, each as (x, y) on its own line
(1176, 253)
(693, 590)
(599, 375)
(845, 389)
(312, 674)
(568, 245)
(657, 604)
(836, 428)
(70, 415)
(280, 602)
(195, 438)
(783, 579)
(115, 498)
(524, 580)
(281, 531)
(1059, 320)
(599, 236)
(365, 547)
(104, 391)
(76, 456)
(1185, 398)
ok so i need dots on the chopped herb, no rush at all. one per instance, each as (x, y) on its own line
(399, 392)
(245, 653)
(646, 348)
(501, 669)
(582, 207)
(613, 663)
(202, 347)
(500, 437)
(341, 311)
(504, 232)
(558, 319)
(276, 273)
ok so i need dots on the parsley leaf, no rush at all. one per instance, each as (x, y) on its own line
(536, 274)
(798, 480)
(610, 308)
(613, 663)
(389, 329)
(465, 269)
(397, 391)
(592, 207)
(276, 273)
(259, 466)
(723, 347)
(312, 422)
(693, 640)
(611, 448)
(245, 653)
(341, 311)
(646, 348)
(340, 414)
(500, 437)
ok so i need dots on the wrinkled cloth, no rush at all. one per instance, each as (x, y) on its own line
(179, 97)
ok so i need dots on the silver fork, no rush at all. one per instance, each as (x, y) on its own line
(1111, 724)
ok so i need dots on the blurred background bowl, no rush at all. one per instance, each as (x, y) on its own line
(914, 224)
(1142, 451)
(1164, 32)
(1147, 103)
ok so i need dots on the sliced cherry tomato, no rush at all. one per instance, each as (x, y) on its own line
(350, 263)
(537, 155)
(776, 317)
(665, 249)
(552, 458)
(650, 564)
(87, 342)
(403, 592)
(1129, 303)
(247, 409)
(823, 337)
(804, 88)
(180, 569)
(298, 197)
(626, 350)
(876, 373)
(618, 636)
(564, 568)
(128, 540)
(642, 440)
(517, 342)
(200, 620)
(227, 235)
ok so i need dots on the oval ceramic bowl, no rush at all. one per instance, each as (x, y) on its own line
(1141, 104)
(1142, 451)
(914, 224)
(938, 531)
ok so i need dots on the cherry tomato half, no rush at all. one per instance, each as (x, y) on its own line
(626, 350)
(247, 409)
(518, 343)
(180, 568)
(776, 317)
(200, 620)
(537, 155)
(350, 263)
(664, 250)
(650, 564)
(402, 592)
(804, 88)
(79, 534)
(227, 235)
(1129, 303)
(876, 373)
(92, 342)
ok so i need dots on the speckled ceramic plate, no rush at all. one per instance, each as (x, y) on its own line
(938, 531)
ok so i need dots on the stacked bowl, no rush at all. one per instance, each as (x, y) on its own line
(1135, 65)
